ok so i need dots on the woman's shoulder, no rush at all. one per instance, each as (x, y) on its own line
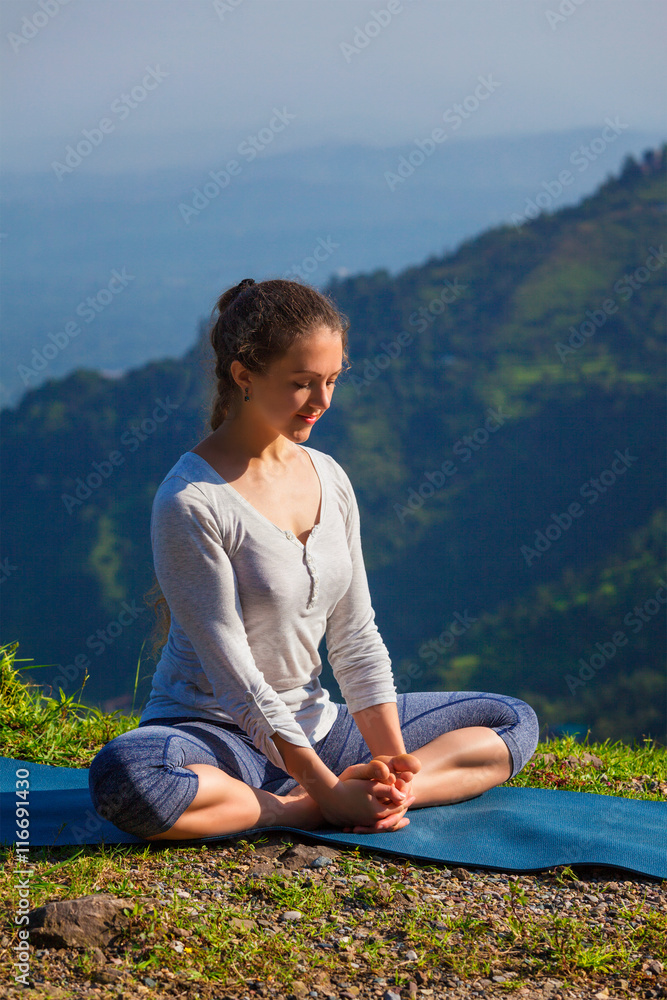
(188, 481)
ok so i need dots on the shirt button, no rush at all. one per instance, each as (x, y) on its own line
(249, 696)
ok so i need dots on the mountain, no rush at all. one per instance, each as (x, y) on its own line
(177, 237)
(503, 423)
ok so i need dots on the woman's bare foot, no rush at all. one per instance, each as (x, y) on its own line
(396, 772)
(403, 766)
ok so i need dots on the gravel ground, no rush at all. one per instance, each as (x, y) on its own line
(599, 899)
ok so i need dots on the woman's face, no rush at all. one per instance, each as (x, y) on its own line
(299, 384)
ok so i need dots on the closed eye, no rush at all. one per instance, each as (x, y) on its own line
(307, 386)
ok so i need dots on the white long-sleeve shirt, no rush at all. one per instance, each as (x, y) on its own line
(250, 604)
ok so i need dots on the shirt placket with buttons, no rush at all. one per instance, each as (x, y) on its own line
(310, 563)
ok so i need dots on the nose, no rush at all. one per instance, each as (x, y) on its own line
(320, 397)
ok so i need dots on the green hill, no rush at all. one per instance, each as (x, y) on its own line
(495, 393)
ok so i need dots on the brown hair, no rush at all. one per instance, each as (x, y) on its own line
(256, 323)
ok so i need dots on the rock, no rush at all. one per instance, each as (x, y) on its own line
(262, 870)
(321, 862)
(147, 981)
(303, 855)
(299, 988)
(90, 920)
(411, 955)
(590, 758)
(461, 873)
(108, 975)
(243, 923)
(269, 851)
(390, 995)
(291, 915)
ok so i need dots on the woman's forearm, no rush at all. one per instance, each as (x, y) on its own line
(303, 764)
(381, 729)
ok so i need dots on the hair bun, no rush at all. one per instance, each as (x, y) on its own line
(245, 283)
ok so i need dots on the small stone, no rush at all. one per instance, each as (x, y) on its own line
(321, 862)
(292, 915)
(461, 873)
(147, 981)
(109, 975)
(390, 995)
(411, 955)
(303, 855)
(243, 923)
(261, 870)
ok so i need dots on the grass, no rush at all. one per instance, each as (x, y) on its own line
(195, 944)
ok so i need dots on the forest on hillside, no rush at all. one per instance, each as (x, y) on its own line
(503, 424)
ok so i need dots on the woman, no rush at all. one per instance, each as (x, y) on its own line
(257, 552)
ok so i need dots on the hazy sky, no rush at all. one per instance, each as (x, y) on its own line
(220, 67)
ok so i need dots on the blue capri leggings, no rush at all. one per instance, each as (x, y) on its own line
(139, 783)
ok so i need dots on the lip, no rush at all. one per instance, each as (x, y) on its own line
(308, 419)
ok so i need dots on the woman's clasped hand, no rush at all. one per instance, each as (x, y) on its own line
(372, 797)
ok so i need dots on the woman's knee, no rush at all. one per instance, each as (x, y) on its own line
(135, 786)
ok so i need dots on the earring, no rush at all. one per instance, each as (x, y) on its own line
(247, 397)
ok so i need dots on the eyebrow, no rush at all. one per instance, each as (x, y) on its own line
(309, 371)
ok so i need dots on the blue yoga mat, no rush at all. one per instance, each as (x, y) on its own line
(504, 829)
